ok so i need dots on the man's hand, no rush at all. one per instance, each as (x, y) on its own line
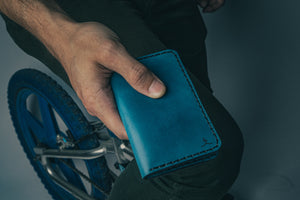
(89, 52)
(89, 57)
(210, 5)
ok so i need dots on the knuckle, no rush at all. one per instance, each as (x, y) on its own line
(122, 136)
(109, 45)
(88, 102)
(139, 75)
(108, 51)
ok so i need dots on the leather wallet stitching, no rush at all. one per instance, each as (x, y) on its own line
(200, 106)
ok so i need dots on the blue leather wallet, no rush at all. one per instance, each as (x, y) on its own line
(171, 132)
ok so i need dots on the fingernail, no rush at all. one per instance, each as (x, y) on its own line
(157, 89)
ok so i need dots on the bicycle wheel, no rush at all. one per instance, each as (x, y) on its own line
(41, 129)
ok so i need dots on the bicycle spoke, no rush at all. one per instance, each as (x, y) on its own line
(70, 175)
(49, 121)
(36, 127)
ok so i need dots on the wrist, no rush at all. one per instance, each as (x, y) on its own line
(55, 34)
(44, 19)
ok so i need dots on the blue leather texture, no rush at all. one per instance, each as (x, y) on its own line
(171, 132)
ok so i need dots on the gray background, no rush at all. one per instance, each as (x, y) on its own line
(253, 54)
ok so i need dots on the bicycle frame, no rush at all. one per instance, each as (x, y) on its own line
(108, 146)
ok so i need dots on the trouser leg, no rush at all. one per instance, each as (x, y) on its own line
(205, 181)
(179, 25)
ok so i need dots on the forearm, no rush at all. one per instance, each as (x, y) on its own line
(44, 19)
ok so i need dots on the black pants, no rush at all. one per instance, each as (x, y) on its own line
(147, 26)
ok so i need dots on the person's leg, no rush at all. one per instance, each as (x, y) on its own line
(179, 25)
(205, 181)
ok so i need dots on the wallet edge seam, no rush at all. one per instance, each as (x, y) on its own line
(182, 68)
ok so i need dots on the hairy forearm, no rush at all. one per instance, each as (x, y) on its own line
(43, 18)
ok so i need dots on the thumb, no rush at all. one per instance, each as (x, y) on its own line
(139, 77)
(144, 81)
